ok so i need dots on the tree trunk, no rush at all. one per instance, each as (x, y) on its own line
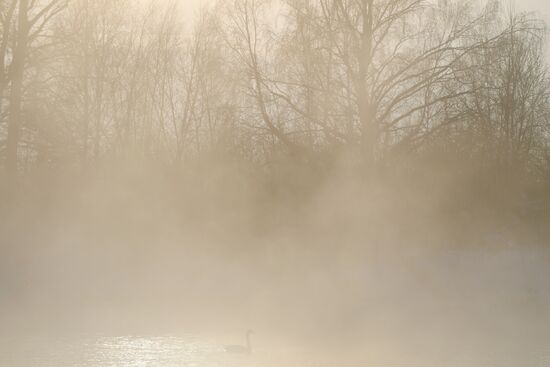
(17, 69)
(369, 130)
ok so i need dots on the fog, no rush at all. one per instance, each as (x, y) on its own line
(356, 192)
(323, 278)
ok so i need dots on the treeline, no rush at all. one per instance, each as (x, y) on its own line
(396, 87)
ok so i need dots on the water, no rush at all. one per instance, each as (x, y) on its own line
(190, 351)
(126, 351)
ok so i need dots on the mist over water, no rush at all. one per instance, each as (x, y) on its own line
(104, 283)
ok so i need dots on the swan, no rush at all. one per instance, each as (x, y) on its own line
(241, 349)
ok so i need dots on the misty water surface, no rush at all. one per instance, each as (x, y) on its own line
(189, 351)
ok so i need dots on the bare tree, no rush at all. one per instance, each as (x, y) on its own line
(32, 19)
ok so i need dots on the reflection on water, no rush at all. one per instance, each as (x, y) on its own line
(157, 351)
(133, 351)
(113, 352)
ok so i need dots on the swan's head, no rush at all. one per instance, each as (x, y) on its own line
(249, 332)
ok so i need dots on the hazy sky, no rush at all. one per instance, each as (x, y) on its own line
(192, 6)
(538, 5)
(542, 6)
